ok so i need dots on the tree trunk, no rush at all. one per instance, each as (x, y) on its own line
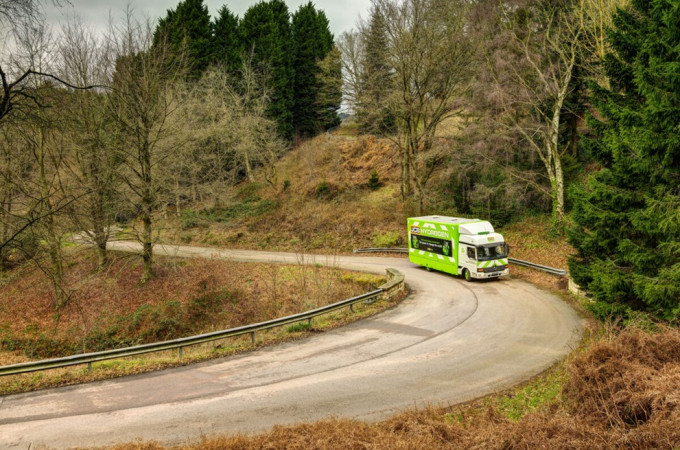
(178, 199)
(99, 228)
(554, 162)
(249, 170)
(406, 186)
(147, 202)
(558, 218)
(52, 239)
(5, 231)
(147, 247)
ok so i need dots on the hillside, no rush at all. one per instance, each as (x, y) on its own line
(322, 202)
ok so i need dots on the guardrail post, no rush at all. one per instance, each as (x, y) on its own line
(179, 352)
(252, 338)
(351, 307)
(309, 322)
(89, 368)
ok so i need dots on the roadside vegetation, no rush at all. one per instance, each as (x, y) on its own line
(185, 297)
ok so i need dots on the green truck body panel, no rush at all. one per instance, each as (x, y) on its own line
(452, 244)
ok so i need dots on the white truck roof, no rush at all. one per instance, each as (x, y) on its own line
(466, 226)
(481, 239)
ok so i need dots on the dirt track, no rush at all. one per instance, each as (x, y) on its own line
(449, 342)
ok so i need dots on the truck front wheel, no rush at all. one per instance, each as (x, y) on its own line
(466, 275)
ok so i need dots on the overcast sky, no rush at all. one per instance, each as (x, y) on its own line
(342, 14)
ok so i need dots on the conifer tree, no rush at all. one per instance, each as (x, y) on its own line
(227, 48)
(266, 38)
(312, 42)
(627, 215)
(376, 78)
(329, 96)
(188, 31)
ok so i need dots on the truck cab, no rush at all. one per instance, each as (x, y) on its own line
(482, 253)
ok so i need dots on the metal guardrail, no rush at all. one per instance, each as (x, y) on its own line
(381, 250)
(396, 282)
(552, 270)
(519, 262)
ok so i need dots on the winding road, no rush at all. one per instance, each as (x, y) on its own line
(448, 342)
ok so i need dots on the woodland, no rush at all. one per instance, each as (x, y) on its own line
(495, 109)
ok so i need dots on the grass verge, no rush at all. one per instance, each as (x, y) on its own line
(190, 355)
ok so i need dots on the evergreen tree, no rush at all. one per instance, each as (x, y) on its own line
(312, 41)
(329, 96)
(266, 38)
(627, 216)
(376, 78)
(227, 49)
(188, 31)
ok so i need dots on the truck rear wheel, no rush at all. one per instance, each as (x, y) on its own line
(466, 275)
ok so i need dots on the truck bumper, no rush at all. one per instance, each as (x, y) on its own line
(485, 275)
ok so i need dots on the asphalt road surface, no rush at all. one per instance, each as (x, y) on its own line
(448, 342)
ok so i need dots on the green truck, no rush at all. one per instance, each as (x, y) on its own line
(467, 247)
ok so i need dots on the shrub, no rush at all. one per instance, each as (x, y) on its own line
(323, 190)
(190, 219)
(374, 182)
(298, 327)
(388, 239)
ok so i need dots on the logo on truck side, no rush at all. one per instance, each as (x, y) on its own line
(428, 232)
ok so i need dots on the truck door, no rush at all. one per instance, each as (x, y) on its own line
(467, 257)
(472, 255)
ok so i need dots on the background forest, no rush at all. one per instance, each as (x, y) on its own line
(495, 109)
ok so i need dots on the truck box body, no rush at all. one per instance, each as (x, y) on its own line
(459, 246)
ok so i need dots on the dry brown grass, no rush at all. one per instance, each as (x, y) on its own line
(237, 293)
(622, 392)
(530, 240)
(346, 218)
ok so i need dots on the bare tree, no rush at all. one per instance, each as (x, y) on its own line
(93, 162)
(15, 166)
(431, 56)
(22, 77)
(144, 102)
(534, 73)
(351, 50)
(232, 115)
(39, 135)
(595, 17)
(19, 20)
(257, 142)
(15, 13)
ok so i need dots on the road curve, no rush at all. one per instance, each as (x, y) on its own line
(448, 342)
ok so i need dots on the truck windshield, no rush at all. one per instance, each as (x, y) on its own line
(492, 251)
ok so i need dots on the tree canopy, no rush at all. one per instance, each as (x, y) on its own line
(313, 41)
(627, 215)
(289, 49)
(188, 26)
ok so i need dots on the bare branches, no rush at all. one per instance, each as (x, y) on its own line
(534, 71)
(430, 54)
